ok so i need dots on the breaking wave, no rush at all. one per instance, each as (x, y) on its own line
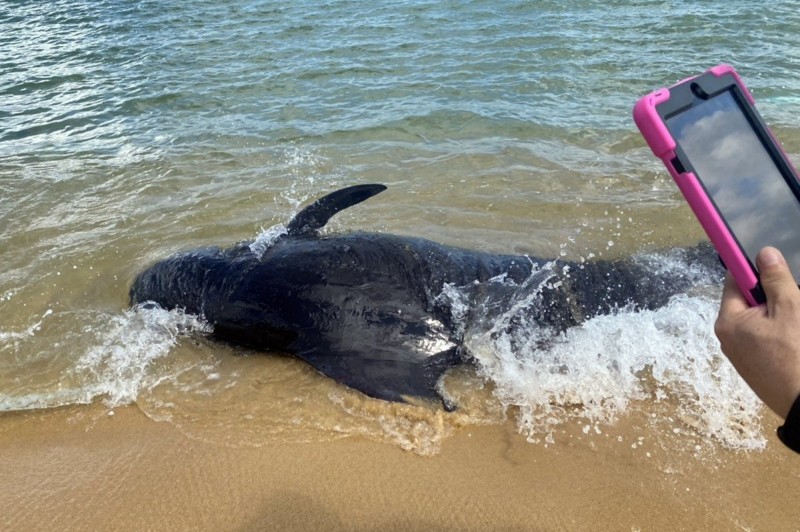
(119, 363)
(594, 372)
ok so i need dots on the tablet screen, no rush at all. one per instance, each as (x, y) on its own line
(740, 176)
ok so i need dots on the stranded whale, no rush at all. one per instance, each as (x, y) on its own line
(366, 309)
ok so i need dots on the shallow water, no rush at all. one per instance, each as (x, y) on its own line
(129, 131)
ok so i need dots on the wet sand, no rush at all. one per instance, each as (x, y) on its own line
(79, 468)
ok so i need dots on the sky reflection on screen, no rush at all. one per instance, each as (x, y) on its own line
(740, 176)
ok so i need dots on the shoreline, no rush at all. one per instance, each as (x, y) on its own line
(79, 467)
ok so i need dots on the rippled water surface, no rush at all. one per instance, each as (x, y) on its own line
(130, 130)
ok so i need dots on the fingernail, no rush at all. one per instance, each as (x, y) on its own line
(770, 257)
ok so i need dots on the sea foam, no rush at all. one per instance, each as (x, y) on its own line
(119, 366)
(592, 373)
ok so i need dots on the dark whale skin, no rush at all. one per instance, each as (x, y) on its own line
(365, 308)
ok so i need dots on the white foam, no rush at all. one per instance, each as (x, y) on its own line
(119, 366)
(266, 239)
(593, 372)
(26, 333)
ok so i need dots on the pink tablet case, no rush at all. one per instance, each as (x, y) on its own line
(663, 145)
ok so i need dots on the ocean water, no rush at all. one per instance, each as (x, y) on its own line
(131, 130)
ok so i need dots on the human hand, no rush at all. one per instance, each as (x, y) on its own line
(763, 343)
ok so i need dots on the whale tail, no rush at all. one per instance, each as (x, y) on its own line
(315, 216)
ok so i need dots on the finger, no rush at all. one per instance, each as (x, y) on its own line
(776, 278)
(733, 301)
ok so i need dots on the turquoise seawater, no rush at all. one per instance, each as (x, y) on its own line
(132, 129)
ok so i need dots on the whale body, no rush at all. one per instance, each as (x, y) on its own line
(366, 309)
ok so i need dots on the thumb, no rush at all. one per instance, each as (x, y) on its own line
(776, 278)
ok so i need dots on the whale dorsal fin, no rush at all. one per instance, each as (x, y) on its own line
(316, 215)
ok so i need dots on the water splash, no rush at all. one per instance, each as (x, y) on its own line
(595, 371)
(29, 332)
(266, 239)
(120, 365)
(303, 165)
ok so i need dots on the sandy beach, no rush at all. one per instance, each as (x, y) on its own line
(80, 468)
